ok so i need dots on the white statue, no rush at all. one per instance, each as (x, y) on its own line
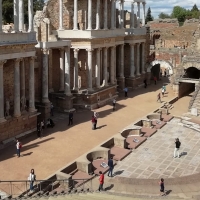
(23, 103)
(7, 113)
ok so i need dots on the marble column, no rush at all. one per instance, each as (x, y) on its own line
(132, 15)
(21, 15)
(30, 16)
(45, 77)
(97, 15)
(61, 14)
(75, 15)
(138, 59)
(62, 70)
(112, 14)
(2, 118)
(76, 69)
(122, 61)
(0, 16)
(112, 74)
(89, 57)
(89, 15)
(67, 72)
(143, 20)
(105, 66)
(132, 56)
(115, 14)
(143, 58)
(16, 15)
(17, 112)
(122, 13)
(97, 69)
(138, 14)
(22, 79)
(32, 84)
(115, 63)
(105, 15)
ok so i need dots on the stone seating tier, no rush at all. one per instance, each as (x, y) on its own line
(166, 118)
(148, 132)
(119, 153)
(97, 166)
(158, 124)
(132, 141)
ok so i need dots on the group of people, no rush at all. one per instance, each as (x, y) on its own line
(41, 126)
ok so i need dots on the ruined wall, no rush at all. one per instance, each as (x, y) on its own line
(163, 23)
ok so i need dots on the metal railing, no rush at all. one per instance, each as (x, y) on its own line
(22, 188)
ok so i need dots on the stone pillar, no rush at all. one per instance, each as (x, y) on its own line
(105, 15)
(132, 15)
(89, 15)
(122, 61)
(112, 74)
(105, 66)
(97, 69)
(76, 69)
(67, 72)
(132, 56)
(2, 118)
(31, 84)
(0, 16)
(22, 79)
(21, 15)
(143, 58)
(112, 13)
(115, 65)
(138, 14)
(61, 14)
(16, 15)
(143, 20)
(97, 15)
(45, 75)
(30, 16)
(75, 15)
(89, 69)
(17, 112)
(138, 59)
(122, 13)
(62, 70)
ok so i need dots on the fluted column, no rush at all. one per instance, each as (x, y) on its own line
(112, 14)
(143, 20)
(105, 15)
(0, 16)
(105, 66)
(115, 14)
(62, 70)
(45, 75)
(112, 74)
(132, 57)
(122, 61)
(76, 69)
(138, 14)
(97, 68)
(89, 69)
(89, 15)
(97, 15)
(21, 15)
(75, 15)
(67, 72)
(16, 15)
(2, 118)
(132, 15)
(30, 16)
(138, 59)
(17, 112)
(31, 85)
(61, 14)
(122, 13)
(22, 79)
(143, 58)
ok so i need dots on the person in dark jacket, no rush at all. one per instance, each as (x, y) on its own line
(111, 166)
(70, 118)
(177, 147)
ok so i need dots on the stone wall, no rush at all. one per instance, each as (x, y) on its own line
(163, 23)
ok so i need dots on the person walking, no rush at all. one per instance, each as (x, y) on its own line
(93, 123)
(163, 92)
(111, 166)
(165, 72)
(145, 83)
(71, 116)
(96, 115)
(177, 147)
(159, 97)
(155, 80)
(114, 104)
(18, 147)
(162, 187)
(38, 129)
(41, 128)
(101, 181)
(32, 178)
(52, 108)
(126, 92)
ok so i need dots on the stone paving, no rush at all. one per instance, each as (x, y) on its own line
(154, 158)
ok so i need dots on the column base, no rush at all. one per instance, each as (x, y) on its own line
(2, 120)
(17, 115)
(143, 72)
(131, 76)
(61, 90)
(138, 74)
(68, 94)
(45, 100)
(31, 110)
(61, 29)
(75, 29)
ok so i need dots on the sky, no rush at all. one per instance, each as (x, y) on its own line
(166, 6)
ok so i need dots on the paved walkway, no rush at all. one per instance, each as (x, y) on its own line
(63, 144)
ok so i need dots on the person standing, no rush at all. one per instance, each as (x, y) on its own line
(177, 147)
(159, 97)
(52, 108)
(38, 129)
(70, 118)
(126, 92)
(162, 187)
(18, 147)
(163, 92)
(165, 72)
(155, 80)
(111, 166)
(101, 181)
(145, 83)
(114, 104)
(93, 123)
(96, 115)
(32, 178)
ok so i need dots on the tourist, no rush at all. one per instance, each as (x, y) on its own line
(126, 92)
(145, 83)
(162, 187)
(50, 123)
(177, 147)
(38, 129)
(114, 104)
(52, 108)
(155, 79)
(163, 92)
(96, 115)
(101, 181)
(18, 147)
(32, 178)
(164, 87)
(93, 123)
(70, 118)
(165, 72)
(111, 166)
(159, 98)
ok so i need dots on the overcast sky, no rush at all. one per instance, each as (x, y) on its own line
(166, 6)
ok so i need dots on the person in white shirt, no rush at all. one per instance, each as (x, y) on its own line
(96, 115)
(32, 178)
(18, 148)
(114, 104)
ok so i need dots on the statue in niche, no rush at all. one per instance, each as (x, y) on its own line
(7, 112)
(23, 103)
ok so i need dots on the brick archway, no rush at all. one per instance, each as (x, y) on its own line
(187, 65)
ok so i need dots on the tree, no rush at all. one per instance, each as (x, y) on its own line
(194, 8)
(179, 13)
(148, 16)
(163, 15)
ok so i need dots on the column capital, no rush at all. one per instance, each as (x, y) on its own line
(32, 58)
(89, 50)
(2, 62)
(138, 3)
(17, 60)
(143, 3)
(62, 49)
(76, 50)
(45, 51)
(99, 49)
(132, 44)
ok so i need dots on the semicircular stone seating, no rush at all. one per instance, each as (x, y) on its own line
(156, 120)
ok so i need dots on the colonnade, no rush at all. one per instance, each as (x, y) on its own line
(105, 14)
(18, 6)
(19, 87)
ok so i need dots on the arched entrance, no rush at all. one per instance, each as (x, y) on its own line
(192, 72)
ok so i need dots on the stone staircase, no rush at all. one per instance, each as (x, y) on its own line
(195, 100)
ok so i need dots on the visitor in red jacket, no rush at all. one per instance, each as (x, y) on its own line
(101, 181)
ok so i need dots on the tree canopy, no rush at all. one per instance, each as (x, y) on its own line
(163, 15)
(149, 17)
